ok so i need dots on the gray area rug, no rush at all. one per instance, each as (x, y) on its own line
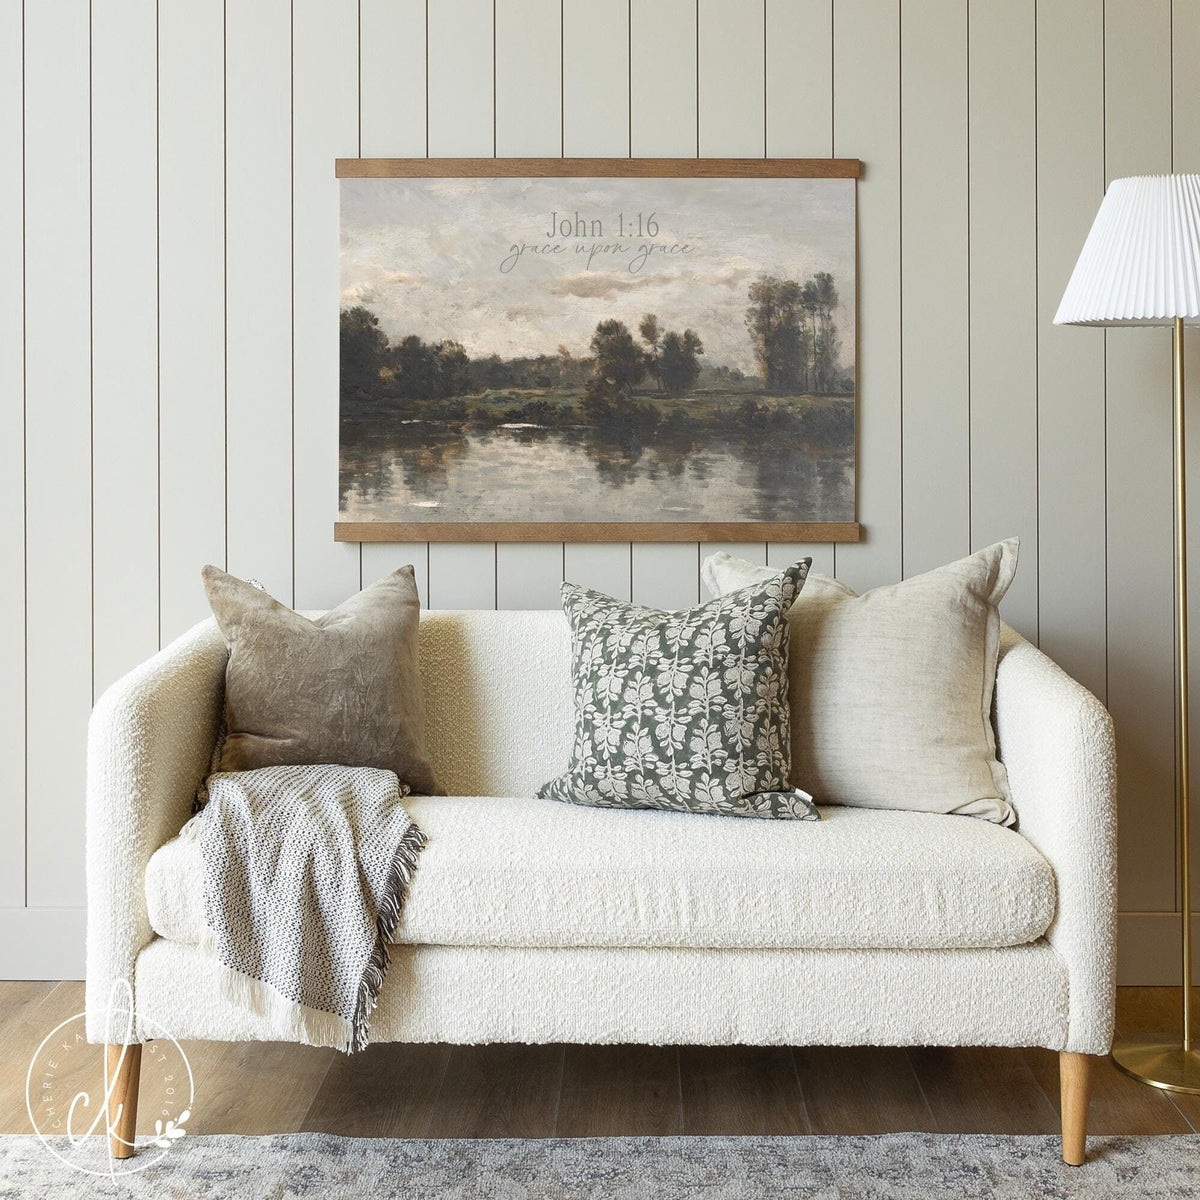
(913, 1166)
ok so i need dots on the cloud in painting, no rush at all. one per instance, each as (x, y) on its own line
(598, 285)
(426, 255)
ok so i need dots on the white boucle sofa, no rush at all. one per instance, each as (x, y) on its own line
(535, 921)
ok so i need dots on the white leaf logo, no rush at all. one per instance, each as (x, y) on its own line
(172, 1131)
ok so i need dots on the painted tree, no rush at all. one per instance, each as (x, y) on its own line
(429, 370)
(415, 364)
(775, 320)
(453, 369)
(825, 346)
(680, 365)
(809, 308)
(652, 336)
(363, 352)
(618, 360)
(794, 335)
(618, 365)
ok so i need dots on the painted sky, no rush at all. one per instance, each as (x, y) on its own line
(426, 256)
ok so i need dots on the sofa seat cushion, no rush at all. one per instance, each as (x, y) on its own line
(531, 872)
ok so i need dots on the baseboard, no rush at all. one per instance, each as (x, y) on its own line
(1148, 949)
(42, 943)
(48, 943)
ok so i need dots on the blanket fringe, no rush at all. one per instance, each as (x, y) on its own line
(287, 1020)
(391, 905)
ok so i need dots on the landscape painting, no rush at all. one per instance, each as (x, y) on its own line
(613, 354)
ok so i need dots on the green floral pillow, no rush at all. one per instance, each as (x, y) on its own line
(683, 710)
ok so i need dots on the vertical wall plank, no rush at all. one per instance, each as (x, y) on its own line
(462, 575)
(528, 111)
(596, 123)
(528, 78)
(866, 122)
(731, 100)
(800, 78)
(595, 99)
(799, 124)
(662, 81)
(58, 444)
(12, 461)
(392, 84)
(258, 299)
(461, 79)
(124, 337)
(528, 574)
(1185, 127)
(1003, 298)
(1071, 500)
(392, 125)
(934, 294)
(1141, 671)
(605, 566)
(386, 557)
(191, 304)
(324, 127)
(461, 122)
(664, 575)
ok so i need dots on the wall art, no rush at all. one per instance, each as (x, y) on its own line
(597, 350)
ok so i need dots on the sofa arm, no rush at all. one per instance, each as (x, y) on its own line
(150, 743)
(1056, 741)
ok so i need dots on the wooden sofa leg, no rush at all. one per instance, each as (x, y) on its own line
(1073, 1077)
(124, 1073)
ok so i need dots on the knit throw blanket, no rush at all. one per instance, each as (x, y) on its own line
(306, 870)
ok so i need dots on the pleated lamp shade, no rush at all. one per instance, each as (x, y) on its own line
(1140, 264)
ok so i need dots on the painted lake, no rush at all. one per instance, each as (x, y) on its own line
(437, 470)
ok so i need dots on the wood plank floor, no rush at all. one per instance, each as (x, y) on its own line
(589, 1091)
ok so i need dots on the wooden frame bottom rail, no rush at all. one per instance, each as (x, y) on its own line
(587, 531)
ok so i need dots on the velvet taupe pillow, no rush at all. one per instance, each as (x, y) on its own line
(344, 687)
(891, 691)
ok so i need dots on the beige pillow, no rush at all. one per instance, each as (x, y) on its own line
(342, 688)
(891, 691)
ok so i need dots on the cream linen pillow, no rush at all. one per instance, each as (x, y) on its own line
(891, 691)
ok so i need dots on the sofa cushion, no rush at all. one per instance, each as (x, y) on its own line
(531, 872)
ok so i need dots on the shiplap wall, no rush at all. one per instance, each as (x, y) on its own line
(168, 352)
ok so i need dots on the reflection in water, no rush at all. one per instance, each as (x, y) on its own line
(437, 471)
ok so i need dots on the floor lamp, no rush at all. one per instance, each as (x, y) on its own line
(1140, 265)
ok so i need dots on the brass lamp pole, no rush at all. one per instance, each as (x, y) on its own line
(1157, 1059)
(1140, 265)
